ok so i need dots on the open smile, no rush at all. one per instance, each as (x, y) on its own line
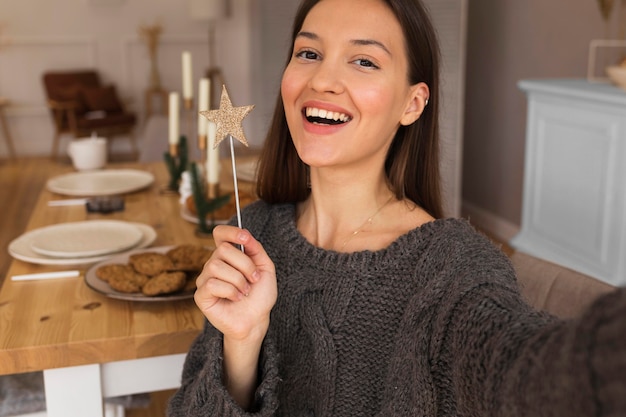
(325, 117)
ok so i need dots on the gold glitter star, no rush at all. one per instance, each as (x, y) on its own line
(228, 119)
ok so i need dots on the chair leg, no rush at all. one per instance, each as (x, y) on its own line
(55, 145)
(133, 145)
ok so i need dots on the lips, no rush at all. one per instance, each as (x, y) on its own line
(325, 117)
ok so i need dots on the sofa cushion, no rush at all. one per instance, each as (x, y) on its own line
(556, 289)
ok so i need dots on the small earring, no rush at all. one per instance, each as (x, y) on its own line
(426, 103)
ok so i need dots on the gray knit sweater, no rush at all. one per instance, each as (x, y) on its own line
(433, 325)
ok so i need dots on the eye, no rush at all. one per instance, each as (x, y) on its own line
(365, 63)
(308, 55)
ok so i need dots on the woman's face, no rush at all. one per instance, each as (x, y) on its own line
(346, 90)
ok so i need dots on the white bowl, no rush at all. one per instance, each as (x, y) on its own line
(617, 74)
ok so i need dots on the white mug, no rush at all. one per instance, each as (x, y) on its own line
(88, 153)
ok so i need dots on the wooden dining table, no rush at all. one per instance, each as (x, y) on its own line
(88, 345)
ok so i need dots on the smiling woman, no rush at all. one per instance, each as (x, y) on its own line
(353, 296)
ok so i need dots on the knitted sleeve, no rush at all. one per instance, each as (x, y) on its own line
(507, 360)
(202, 392)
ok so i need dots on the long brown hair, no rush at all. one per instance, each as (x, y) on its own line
(412, 163)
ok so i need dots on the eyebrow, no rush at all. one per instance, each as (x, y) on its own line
(365, 42)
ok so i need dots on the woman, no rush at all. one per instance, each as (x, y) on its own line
(353, 296)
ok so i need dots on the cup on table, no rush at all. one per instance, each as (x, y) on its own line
(88, 153)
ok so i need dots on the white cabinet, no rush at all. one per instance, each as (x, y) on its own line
(574, 208)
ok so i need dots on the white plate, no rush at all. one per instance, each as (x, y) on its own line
(104, 288)
(85, 238)
(104, 182)
(20, 248)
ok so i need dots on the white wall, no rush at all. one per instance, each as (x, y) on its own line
(103, 34)
(509, 40)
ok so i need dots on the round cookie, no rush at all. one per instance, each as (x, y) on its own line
(106, 272)
(128, 282)
(150, 263)
(165, 283)
(189, 257)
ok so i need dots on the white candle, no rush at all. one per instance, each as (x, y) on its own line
(174, 128)
(212, 160)
(187, 88)
(203, 105)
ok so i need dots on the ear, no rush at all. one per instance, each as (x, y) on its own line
(418, 99)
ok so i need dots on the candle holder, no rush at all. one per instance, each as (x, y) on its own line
(190, 113)
(202, 144)
(203, 203)
(176, 163)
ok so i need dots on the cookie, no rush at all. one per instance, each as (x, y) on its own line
(165, 283)
(106, 272)
(189, 257)
(131, 282)
(150, 263)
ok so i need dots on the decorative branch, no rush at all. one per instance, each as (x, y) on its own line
(622, 20)
(177, 165)
(204, 205)
(151, 34)
(606, 8)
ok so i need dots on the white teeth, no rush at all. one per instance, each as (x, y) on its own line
(325, 114)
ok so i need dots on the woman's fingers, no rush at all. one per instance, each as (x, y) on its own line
(252, 249)
(214, 290)
(237, 290)
(227, 265)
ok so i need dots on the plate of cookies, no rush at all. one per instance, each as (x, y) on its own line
(163, 273)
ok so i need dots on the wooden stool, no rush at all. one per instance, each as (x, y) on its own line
(5, 127)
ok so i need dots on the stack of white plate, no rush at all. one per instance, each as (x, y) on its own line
(82, 242)
(101, 182)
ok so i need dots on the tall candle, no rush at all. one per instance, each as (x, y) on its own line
(203, 105)
(187, 88)
(174, 127)
(212, 160)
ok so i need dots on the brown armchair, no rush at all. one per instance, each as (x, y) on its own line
(80, 105)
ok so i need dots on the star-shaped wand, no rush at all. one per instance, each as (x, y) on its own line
(228, 120)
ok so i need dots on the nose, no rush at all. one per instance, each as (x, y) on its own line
(327, 77)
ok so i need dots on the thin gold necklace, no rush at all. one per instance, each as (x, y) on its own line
(369, 221)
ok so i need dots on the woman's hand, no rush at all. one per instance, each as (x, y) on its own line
(237, 290)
